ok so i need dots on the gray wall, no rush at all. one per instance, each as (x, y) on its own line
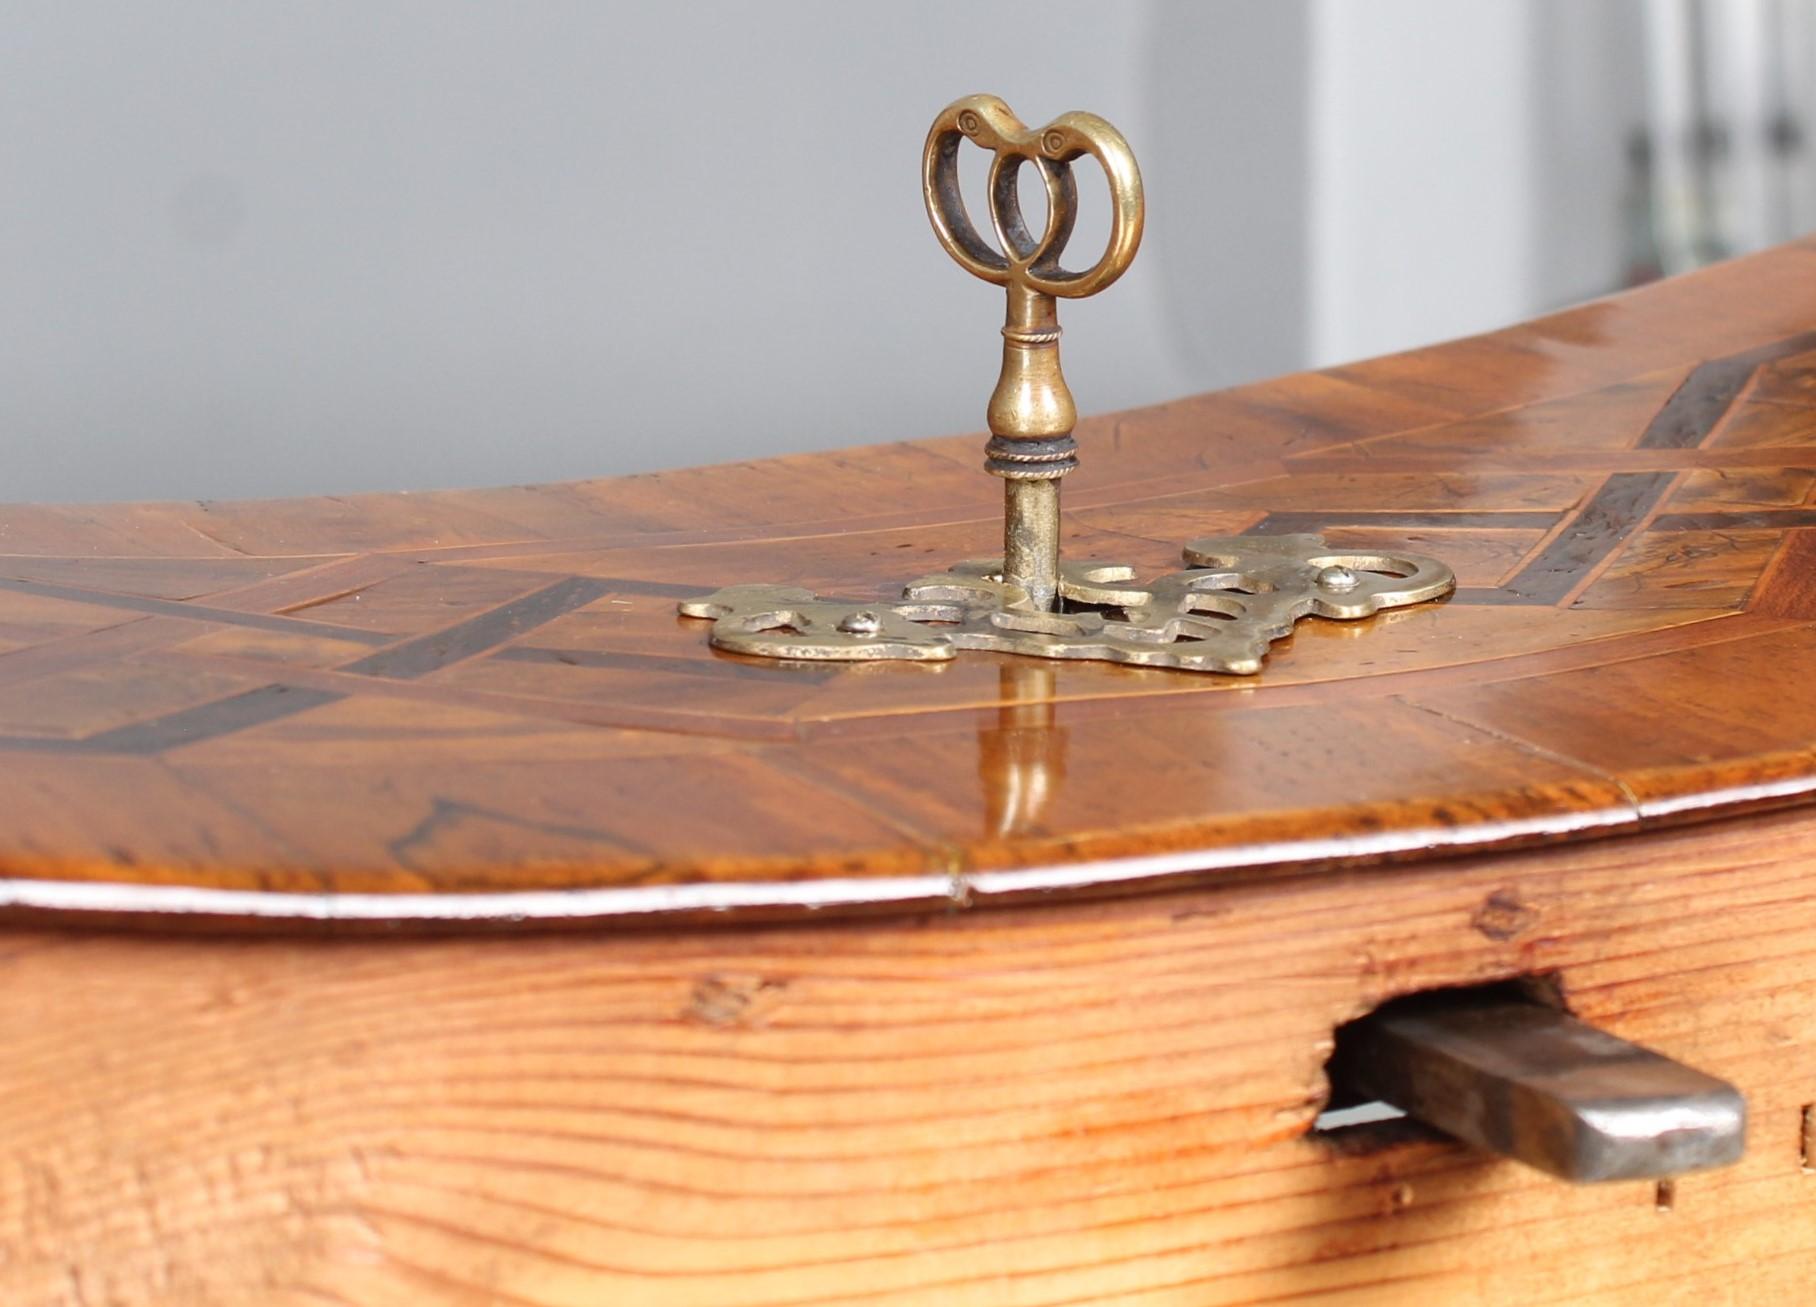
(272, 248)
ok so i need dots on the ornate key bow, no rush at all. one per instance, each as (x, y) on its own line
(1031, 413)
(1019, 259)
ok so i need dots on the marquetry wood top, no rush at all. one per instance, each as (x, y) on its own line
(483, 703)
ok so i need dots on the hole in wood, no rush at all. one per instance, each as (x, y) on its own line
(1357, 1122)
(1806, 1140)
(1664, 1198)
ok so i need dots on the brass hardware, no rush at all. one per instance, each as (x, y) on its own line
(1236, 597)
(1239, 595)
(1031, 412)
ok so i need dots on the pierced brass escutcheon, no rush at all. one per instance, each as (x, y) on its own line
(1236, 596)
(1239, 595)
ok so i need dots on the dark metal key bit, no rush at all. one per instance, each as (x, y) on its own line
(1537, 1085)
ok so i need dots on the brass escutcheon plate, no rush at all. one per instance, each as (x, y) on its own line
(1237, 595)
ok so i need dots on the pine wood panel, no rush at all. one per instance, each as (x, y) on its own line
(481, 704)
(1092, 1103)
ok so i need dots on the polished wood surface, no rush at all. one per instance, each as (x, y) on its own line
(483, 705)
(1102, 1103)
(482, 694)
(448, 704)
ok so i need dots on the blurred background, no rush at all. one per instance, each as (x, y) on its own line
(262, 248)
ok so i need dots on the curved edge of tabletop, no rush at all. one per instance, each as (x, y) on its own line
(1670, 333)
(142, 905)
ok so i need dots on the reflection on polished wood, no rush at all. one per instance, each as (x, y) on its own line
(1021, 762)
(482, 704)
(491, 693)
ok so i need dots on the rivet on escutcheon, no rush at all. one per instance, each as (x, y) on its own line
(862, 622)
(1338, 579)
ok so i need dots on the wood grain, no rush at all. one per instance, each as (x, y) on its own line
(480, 705)
(1092, 1103)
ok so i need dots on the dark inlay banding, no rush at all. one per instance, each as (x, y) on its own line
(205, 721)
(619, 585)
(717, 667)
(1610, 516)
(1741, 519)
(404, 661)
(1697, 407)
(438, 649)
(1698, 404)
(1625, 499)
